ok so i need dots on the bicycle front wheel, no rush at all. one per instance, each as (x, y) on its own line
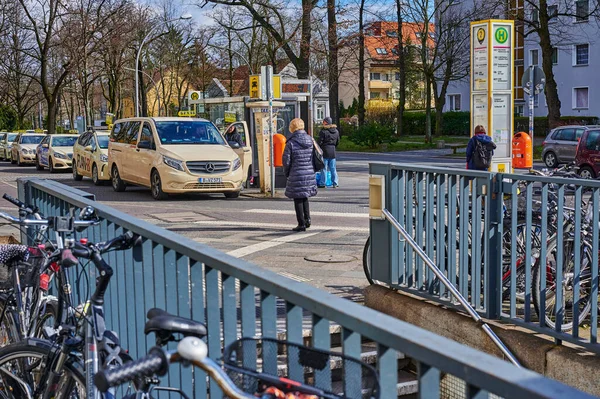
(23, 368)
(571, 307)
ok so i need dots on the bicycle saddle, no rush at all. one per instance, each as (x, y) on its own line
(165, 324)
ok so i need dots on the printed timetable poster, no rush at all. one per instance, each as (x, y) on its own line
(479, 46)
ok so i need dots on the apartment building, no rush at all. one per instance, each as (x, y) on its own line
(576, 54)
(381, 71)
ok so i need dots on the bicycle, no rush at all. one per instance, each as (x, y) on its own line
(55, 367)
(250, 366)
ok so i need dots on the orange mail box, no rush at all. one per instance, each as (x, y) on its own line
(522, 151)
(278, 147)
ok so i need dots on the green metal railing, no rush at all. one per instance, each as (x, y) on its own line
(521, 248)
(236, 298)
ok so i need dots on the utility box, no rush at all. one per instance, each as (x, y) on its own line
(522, 151)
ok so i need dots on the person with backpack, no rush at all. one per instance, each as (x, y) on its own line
(329, 138)
(480, 150)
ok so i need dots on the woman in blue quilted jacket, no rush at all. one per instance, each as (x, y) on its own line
(298, 168)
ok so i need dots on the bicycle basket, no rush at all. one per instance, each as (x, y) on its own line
(27, 259)
(256, 364)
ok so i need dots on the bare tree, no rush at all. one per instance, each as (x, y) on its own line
(332, 61)
(271, 16)
(361, 64)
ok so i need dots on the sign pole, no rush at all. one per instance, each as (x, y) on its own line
(531, 105)
(269, 83)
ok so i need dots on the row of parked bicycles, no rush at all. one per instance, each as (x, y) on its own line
(53, 347)
(568, 281)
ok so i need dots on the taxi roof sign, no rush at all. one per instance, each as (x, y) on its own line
(190, 113)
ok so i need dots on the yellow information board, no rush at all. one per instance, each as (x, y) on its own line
(190, 113)
(255, 90)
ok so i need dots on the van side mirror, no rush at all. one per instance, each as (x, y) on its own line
(88, 148)
(44, 145)
(234, 144)
(145, 144)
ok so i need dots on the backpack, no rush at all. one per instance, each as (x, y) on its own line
(482, 155)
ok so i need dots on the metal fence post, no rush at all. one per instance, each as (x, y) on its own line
(24, 194)
(493, 210)
(383, 259)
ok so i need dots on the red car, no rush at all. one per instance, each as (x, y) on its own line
(587, 156)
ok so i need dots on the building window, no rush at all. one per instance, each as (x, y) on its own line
(392, 33)
(454, 102)
(374, 94)
(519, 110)
(320, 112)
(535, 16)
(375, 76)
(580, 98)
(582, 11)
(534, 57)
(396, 94)
(554, 56)
(385, 77)
(552, 11)
(381, 51)
(397, 76)
(582, 54)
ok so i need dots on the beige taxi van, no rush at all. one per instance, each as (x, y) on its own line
(173, 156)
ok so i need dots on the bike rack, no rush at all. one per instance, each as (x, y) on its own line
(474, 315)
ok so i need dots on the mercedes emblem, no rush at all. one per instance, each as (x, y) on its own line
(210, 167)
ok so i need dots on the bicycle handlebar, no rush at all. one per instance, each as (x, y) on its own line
(189, 349)
(21, 205)
(45, 222)
(155, 363)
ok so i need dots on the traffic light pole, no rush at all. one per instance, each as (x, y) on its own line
(269, 83)
(531, 105)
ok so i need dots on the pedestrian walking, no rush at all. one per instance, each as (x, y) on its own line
(480, 150)
(329, 138)
(232, 135)
(298, 168)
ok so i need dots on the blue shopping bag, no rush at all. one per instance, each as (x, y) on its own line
(328, 182)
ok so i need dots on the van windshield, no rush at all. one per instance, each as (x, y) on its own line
(31, 139)
(188, 132)
(103, 141)
(12, 137)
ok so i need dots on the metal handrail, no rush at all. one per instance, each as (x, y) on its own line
(461, 299)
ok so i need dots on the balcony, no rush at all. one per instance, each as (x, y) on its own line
(379, 84)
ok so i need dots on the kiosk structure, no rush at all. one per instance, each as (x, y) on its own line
(260, 110)
(492, 83)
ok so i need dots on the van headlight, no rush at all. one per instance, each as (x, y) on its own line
(103, 158)
(174, 163)
(237, 164)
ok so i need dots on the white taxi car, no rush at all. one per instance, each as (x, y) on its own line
(24, 147)
(6, 143)
(173, 155)
(90, 157)
(55, 152)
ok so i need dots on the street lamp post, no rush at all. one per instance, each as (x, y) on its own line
(137, 62)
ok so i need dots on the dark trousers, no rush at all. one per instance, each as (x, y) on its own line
(302, 212)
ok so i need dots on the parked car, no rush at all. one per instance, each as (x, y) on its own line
(90, 157)
(24, 148)
(560, 145)
(588, 154)
(55, 152)
(173, 155)
(6, 143)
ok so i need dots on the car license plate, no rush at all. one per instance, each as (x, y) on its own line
(209, 180)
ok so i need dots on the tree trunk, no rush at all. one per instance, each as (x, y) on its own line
(51, 121)
(303, 66)
(334, 102)
(401, 72)
(551, 88)
(427, 108)
(361, 65)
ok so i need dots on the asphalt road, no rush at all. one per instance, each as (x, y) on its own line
(328, 255)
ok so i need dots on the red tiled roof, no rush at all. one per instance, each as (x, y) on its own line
(376, 37)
